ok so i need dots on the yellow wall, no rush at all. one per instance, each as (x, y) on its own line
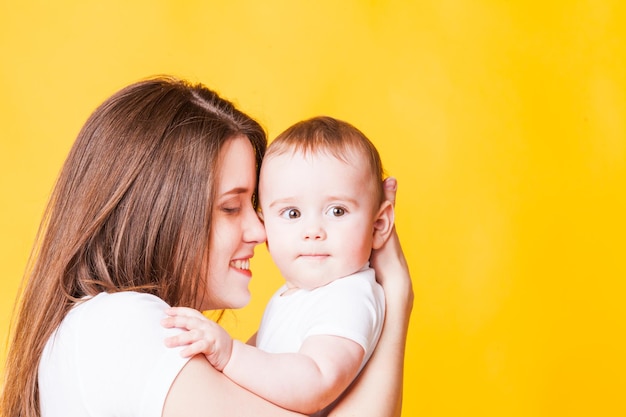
(503, 120)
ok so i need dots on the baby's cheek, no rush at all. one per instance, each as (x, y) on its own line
(360, 249)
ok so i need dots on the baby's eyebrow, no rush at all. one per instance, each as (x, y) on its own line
(281, 201)
(346, 199)
(352, 201)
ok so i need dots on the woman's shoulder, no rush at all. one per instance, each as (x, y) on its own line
(128, 321)
(125, 311)
(121, 302)
(113, 344)
(123, 297)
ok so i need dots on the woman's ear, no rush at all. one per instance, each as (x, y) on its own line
(383, 224)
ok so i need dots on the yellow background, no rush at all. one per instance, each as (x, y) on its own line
(504, 122)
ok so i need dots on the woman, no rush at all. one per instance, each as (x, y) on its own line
(155, 207)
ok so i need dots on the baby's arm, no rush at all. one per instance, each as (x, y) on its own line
(306, 381)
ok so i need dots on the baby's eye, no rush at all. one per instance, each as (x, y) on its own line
(336, 211)
(291, 213)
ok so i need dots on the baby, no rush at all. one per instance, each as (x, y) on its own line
(322, 203)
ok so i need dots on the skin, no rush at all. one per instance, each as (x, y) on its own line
(320, 216)
(188, 394)
(235, 228)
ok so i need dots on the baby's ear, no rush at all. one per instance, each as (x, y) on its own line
(383, 224)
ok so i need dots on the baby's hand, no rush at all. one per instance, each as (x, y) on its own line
(203, 336)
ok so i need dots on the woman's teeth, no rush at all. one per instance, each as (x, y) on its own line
(239, 264)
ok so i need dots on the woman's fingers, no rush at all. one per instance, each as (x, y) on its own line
(390, 186)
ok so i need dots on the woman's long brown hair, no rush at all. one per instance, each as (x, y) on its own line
(131, 210)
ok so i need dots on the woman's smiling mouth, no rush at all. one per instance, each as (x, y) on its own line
(243, 264)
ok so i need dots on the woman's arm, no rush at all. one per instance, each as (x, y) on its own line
(377, 392)
(200, 390)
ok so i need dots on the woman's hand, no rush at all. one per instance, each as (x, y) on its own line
(392, 270)
(377, 392)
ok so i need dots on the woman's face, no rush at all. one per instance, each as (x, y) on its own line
(235, 227)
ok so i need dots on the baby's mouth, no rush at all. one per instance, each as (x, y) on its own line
(313, 256)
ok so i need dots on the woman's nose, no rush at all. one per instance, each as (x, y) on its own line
(254, 231)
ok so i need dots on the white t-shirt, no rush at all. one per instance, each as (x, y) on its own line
(108, 358)
(352, 307)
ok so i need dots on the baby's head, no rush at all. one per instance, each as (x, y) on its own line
(321, 199)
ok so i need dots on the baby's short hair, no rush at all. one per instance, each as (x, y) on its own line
(337, 138)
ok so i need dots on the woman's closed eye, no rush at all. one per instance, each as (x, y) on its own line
(230, 209)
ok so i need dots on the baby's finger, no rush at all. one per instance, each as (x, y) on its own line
(183, 312)
(181, 322)
(167, 322)
(173, 341)
(196, 348)
(179, 340)
(185, 338)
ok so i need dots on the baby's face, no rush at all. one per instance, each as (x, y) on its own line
(319, 216)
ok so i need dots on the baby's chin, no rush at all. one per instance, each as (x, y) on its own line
(311, 283)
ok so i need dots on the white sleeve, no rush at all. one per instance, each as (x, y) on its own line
(353, 308)
(123, 365)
